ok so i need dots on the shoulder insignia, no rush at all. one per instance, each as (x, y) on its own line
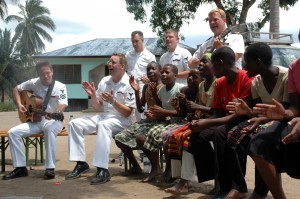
(130, 96)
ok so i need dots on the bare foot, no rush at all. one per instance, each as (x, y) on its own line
(235, 194)
(181, 188)
(152, 175)
(133, 171)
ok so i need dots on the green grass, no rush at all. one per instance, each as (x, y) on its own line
(7, 106)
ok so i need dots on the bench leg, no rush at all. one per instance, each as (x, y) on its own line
(27, 150)
(3, 154)
(125, 163)
(42, 149)
(35, 151)
(161, 157)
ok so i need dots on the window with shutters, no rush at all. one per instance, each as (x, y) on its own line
(67, 74)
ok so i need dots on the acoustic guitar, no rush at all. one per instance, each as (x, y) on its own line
(34, 112)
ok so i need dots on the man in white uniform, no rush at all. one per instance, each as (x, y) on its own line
(137, 61)
(176, 56)
(116, 96)
(57, 103)
(217, 24)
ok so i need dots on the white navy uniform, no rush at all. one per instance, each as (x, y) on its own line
(104, 124)
(50, 128)
(137, 66)
(234, 41)
(179, 58)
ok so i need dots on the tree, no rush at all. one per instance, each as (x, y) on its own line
(3, 8)
(168, 14)
(31, 23)
(274, 16)
(11, 70)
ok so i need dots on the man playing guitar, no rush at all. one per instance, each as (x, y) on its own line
(222, 36)
(58, 101)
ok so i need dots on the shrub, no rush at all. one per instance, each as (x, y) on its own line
(7, 106)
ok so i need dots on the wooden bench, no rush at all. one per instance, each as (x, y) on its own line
(35, 140)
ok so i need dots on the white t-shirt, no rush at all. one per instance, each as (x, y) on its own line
(179, 58)
(58, 95)
(167, 96)
(234, 41)
(137, 62)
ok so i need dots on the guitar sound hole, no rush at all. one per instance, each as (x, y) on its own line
(30, 109)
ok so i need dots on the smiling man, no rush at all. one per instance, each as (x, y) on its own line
(117, 98)
(176, 56)
(137, 61)
(58, 101)
(217, 24)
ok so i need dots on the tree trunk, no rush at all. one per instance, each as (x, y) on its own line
(274, 17)
(2, 97)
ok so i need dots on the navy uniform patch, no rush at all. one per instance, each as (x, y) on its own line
(62, 96)
(130, 96)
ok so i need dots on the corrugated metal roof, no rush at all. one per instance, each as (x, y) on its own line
(105, 47)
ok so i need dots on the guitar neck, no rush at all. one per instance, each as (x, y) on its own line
(222, 36)
(39, 111)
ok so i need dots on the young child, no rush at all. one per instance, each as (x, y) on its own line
(126, 139)
(178, 145)
(188, 94)
(232, 83)
(270, 82)
(153, 141)
(276, 149)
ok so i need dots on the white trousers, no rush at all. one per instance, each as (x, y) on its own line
(186, 168)
(105, 126)
(50, 129)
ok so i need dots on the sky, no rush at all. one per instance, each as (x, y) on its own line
(80, 21)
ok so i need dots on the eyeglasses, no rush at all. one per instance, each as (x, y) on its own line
(112, 62)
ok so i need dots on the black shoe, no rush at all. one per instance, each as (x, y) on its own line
(102, 176)
(16, 173)
(78, 170)
(49, 173)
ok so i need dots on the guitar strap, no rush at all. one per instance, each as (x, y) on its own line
(48, 95)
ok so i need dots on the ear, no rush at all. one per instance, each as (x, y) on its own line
(123, 66)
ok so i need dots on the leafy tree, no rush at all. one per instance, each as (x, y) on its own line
(11, 70)
(3, 8)
(173, 14)
(31, 26)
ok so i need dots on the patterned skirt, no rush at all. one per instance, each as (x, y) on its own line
(235, 136)
(153, 140)
(178, 141)
(128, 135)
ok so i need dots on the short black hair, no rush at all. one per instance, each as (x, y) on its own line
(173, 68)
(140, 33)
(261, 51)
(225, 55)
(155, 64)
(299, 35)
(43, 64)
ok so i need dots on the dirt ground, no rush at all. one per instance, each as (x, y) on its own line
(119, 187)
